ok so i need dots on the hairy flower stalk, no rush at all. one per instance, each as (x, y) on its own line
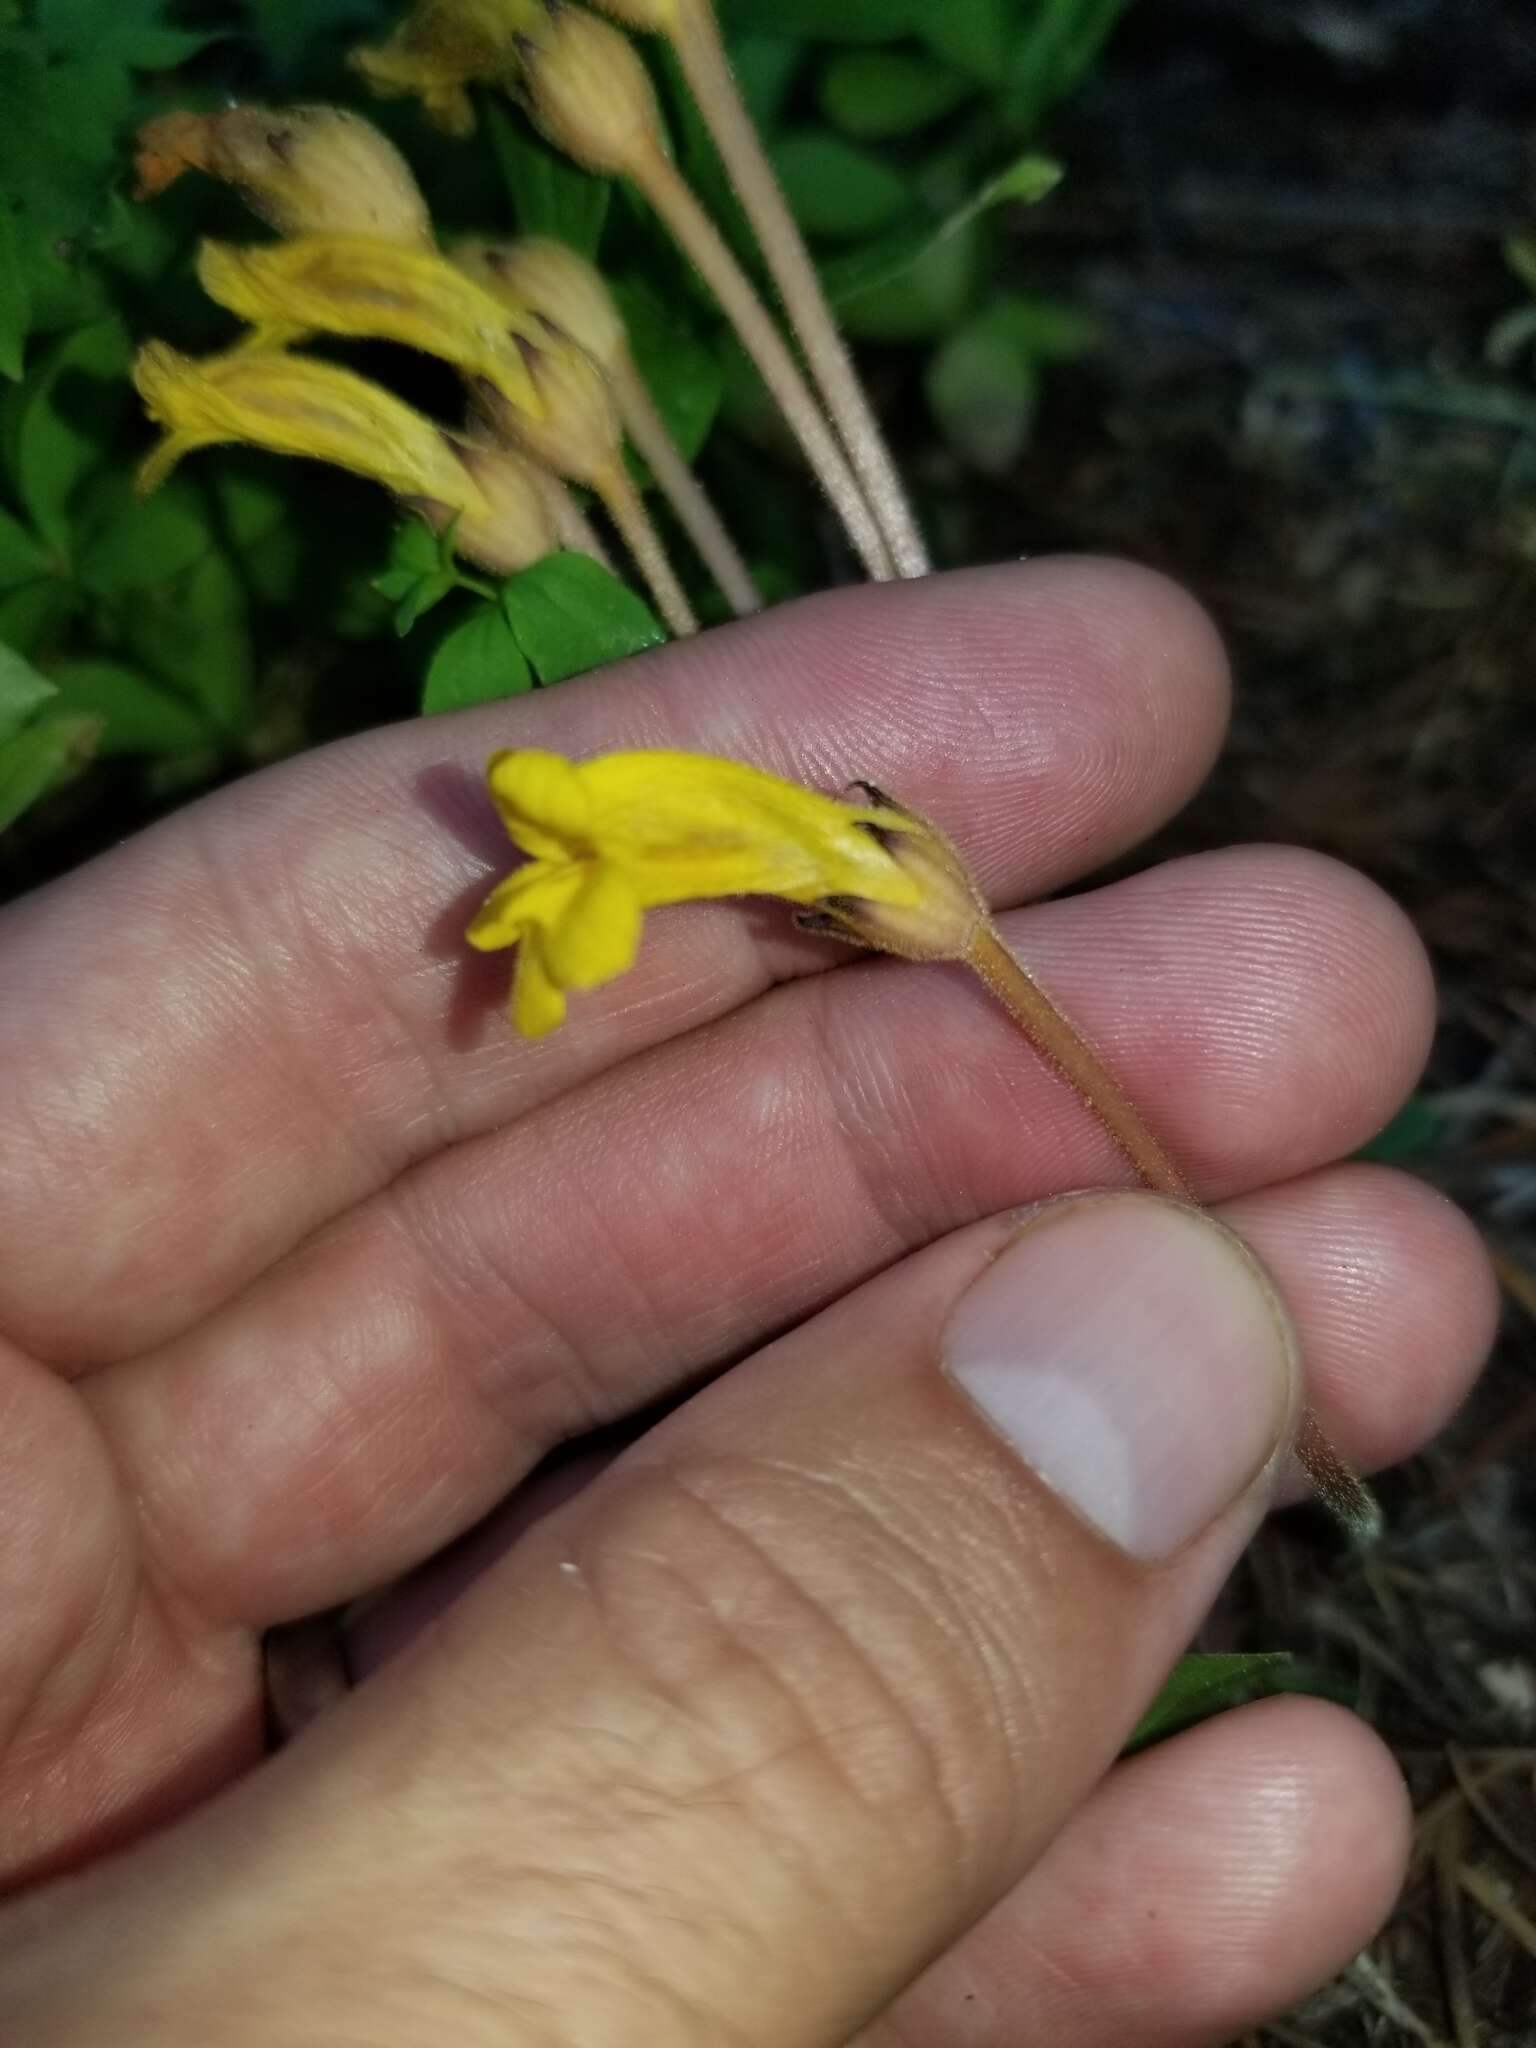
(567, 293)
(586, 89)
(694, 33)
(611, 838)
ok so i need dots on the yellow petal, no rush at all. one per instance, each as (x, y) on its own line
(542, 800)
(297, 406)
(442, 46)
(532, 897)
(599, 935)
(537, 1004)
(360, 285)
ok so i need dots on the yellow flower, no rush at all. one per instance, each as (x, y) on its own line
(359, 285)
(616, 836)
(302, 168)
(296, 406)
(444, 46)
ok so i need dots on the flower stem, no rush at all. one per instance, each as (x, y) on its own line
(627, 511)
(1058, 1041)
(682, 489)
(573, 529)
(669, 194)
(708, 72)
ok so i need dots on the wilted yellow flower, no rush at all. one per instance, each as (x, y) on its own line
(444, 46)
(358, 285)
(304, 169)
(616, 836)
(295, 406)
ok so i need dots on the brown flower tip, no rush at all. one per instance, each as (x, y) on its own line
(577, 433)
(515, 528)
(546, 278)
(306, 170)
(950, 911)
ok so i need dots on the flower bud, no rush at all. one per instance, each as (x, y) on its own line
(304, 169)
(586, 89)
(356, 285)
(516, 527)
(560, 289)
(443, 47)
(576, 430)
(950, 910)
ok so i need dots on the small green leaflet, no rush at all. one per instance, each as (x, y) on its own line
(419, 573)
(875, 94)
(1210, 1682)
(571, 614)
(56, 422)
(137, 714)
(477, 661)
(837, 189)
(22, 691)
(40, 756)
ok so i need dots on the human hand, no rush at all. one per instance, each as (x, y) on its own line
(308, 1263)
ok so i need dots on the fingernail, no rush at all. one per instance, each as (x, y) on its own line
(1136, 1357)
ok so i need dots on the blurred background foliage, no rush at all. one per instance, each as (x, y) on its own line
(1245, 289)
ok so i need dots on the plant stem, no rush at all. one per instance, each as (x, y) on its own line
(682, 489)
(669, 194)
(707, 69)
(573, 529)
(627, 510)
(1061, 1045)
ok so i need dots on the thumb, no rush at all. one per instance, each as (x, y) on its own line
(732, 1745)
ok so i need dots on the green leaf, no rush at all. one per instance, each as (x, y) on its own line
(194, 631)
(834, 188)
(41, 756)
(838, 21)
(1414, 1133)
(1209, 1683)
(681, 372)
(136, 714)
(1053, 54)
(874, 94)
(571, 614)
(913, 281)
(550, 195)
(21, 556)
(1520, 255)
(133, 541)
(419, 573)
(15, 297)
(58, 422)
(22, 691)
(982, 387)
(974, 34)
(477, 662)
(30, 613)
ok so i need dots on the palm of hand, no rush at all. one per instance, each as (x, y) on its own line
(307, 1262)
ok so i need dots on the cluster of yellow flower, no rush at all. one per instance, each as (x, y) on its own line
(530, 326)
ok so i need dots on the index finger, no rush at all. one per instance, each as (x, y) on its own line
(246, 1020)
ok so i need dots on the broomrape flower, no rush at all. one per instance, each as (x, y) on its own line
(359, 285)
(294, 405)
(304, 169)
(611, 838)
(445, 46)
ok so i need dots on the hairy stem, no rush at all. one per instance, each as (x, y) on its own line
(691, 227)
(682, 489)
(708, 72)
(627, 511)
(573, 529)
(1062, 1046)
